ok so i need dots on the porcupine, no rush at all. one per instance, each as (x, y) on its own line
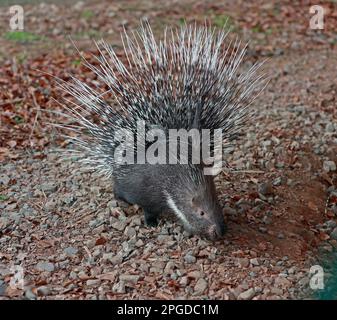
(188, 80)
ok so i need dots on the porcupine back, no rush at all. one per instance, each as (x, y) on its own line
(189, 79)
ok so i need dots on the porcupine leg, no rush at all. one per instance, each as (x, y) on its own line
(151, 218)
(119, 196)
(122, 200)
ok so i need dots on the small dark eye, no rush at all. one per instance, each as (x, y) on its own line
(202, 213)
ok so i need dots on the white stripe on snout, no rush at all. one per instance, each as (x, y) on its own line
(175, 209)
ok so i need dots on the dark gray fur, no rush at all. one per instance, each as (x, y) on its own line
(193, 192)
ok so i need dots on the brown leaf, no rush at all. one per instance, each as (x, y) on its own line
(323, 236)
(12, 143)
(45, 243)
(162, 296)
(110, 276)
(100, 241)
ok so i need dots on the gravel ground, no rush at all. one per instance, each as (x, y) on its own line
(75, 241)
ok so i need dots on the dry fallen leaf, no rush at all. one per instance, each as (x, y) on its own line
(110, 276)
(100, 241)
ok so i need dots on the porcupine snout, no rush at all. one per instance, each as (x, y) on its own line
(216, 232)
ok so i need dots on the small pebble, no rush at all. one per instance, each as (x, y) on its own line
(70, 251)
(200, 286)
(247, 295)
(43, 291)
(45, 266)
(329, 166)
(190, 259)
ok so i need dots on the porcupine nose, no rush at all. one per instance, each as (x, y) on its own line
(216, 232)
